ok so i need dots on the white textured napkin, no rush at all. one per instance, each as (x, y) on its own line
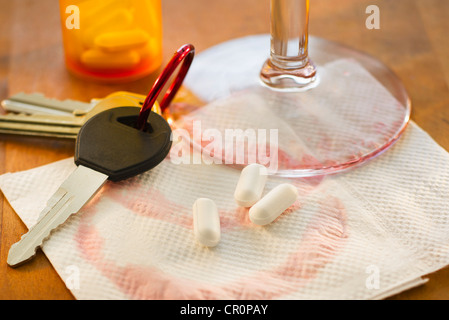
(366, 233)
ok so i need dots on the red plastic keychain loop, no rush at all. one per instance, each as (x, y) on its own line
(184, 54)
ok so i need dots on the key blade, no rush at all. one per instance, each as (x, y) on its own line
(47, 120)
(44, 134)
(22, 107)
(73, 194)
(40, 125)
(37, 103)
(39, 130)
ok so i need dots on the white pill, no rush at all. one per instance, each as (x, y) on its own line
(250, 185)
(275, 202)
(206, 222)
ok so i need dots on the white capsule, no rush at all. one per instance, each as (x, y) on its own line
(206, 222)
(275, 202)
(250, 185)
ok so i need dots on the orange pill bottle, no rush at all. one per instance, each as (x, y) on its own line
(112, 40)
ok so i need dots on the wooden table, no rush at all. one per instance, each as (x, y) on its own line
(412, 41)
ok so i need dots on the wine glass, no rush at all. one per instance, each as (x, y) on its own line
(332, 114)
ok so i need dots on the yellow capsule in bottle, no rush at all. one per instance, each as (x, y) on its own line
(98, 59)
(116, 20)
(122, 40)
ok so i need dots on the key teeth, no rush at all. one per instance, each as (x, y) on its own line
(13, 264)
(65, 202)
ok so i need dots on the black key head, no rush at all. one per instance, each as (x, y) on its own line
(109, 143)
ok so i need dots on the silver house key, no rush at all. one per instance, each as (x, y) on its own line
(45, 117)
(108, 147)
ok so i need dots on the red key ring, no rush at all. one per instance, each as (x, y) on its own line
(184, 54)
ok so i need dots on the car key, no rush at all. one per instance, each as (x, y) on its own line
(115, 144)
(108, 146)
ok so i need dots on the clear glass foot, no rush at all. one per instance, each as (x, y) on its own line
(297, 79)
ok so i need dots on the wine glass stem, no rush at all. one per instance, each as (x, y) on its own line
(289, 21)
(289, 65)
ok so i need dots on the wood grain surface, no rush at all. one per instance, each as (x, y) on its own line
(412, 41)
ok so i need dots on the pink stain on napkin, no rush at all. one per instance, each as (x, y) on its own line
(322, 240)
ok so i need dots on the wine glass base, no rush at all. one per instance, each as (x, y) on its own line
(291, 80)
(341, 123)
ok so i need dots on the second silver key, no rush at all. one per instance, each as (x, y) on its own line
(60, 125)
